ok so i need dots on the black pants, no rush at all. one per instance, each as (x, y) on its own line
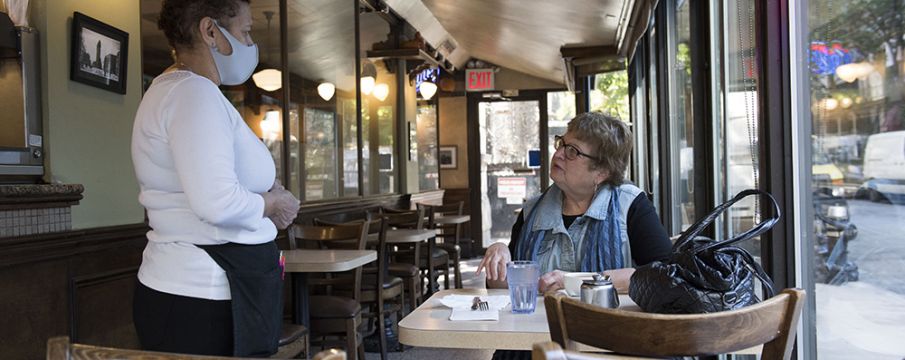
(181, 324)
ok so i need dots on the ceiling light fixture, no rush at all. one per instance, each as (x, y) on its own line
(381, 91)
(427, 89)
(268, 79)
(326, 90)
(368, 77)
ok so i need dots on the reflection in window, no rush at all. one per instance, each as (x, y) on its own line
(428, 166)
(560, 110)
(378, 89)
(322, 96)
(320, 154)
(738, 122)
(681, 139)
(858, 179)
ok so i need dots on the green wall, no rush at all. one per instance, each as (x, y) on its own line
(87, 130)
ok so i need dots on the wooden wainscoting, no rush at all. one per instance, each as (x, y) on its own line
(76, 283)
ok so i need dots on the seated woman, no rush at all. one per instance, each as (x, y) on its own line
(589, 219)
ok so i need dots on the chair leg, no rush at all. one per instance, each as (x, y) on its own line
(446, 275)
(458, 275)
(382, 332)
(352, 342)
(414, 294)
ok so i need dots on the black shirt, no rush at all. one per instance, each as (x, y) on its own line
(647, 237)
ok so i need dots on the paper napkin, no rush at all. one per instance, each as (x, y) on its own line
(461, 307)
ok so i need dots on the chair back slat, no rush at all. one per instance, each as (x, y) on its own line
(352, 236)
(772, 322)
(407, 219)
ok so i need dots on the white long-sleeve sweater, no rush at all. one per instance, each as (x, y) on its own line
(201, 170)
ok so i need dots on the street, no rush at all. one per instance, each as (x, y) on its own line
(879, 249)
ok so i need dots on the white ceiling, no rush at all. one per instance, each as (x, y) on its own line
(522, 35)
(526, 35)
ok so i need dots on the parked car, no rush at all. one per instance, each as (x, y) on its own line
(884, 168)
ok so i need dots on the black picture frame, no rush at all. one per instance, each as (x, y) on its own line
(99, 54)
(448, 156)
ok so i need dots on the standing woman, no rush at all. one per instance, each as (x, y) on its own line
(209, 281)
(590, 219)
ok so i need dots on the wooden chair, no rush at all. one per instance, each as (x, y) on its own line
(439, 259)
(59, 348)
(293, 342)
(552, 351)
(448, 234)
(332, 314)
(378, 289)
(772, 323)
(409, 272)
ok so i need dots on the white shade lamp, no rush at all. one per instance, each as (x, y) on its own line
(427, 89)
(268, 79)
(368, 77)
(381, 91)
(326, 90)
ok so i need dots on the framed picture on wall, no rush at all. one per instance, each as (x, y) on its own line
(99, 54)
(448, 155)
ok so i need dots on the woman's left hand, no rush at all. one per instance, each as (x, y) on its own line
(551, 281)
(620, 278)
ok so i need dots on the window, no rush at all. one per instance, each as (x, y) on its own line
(680, 119)
(322, 99)
(857, 114)
(378, 109)
(426, 130)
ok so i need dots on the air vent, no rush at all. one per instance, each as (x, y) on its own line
(448, 46)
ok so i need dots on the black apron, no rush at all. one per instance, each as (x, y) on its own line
(256, 288)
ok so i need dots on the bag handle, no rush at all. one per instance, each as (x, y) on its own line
(699, 226)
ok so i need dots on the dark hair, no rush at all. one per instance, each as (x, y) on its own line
(610, 139)
(179, 18)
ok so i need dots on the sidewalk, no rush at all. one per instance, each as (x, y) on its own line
(859, 321)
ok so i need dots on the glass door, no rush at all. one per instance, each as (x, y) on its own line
(510, 168)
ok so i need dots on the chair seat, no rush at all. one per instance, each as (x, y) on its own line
(438, 254)
(290, 333)
(333, 307)
(452, 249)
(403, 270)
(369, 280)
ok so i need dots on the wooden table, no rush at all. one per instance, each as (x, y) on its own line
(429, 326)
(304, 261)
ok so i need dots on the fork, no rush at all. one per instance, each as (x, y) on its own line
(478, 304)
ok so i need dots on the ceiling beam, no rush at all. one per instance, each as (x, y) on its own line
(588, 51)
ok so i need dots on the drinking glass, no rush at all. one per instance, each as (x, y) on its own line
(522, 277)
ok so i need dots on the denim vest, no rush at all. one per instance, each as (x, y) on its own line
(563, 249)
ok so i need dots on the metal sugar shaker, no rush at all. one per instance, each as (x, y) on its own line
(600, 291)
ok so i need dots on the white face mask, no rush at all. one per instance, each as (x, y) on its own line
(237, 67)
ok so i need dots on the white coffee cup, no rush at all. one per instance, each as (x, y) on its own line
(573, 280)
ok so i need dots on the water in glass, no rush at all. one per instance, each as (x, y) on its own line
(522, 277)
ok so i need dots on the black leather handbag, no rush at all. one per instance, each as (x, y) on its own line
(703, 275)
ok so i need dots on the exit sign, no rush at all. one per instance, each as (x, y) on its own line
(478, 79)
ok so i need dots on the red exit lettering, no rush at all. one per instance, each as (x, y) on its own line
(479, 80)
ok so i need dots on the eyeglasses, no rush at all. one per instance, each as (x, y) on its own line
(569, 150)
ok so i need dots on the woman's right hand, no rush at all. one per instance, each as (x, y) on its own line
(494, 262)
(280, 206)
